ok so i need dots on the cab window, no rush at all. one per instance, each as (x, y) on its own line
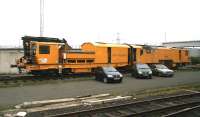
(43, 49)
(33, 49)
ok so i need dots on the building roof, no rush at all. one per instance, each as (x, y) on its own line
(181, 42)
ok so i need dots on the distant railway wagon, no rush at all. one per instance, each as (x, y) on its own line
(44, 55)
(171, 57)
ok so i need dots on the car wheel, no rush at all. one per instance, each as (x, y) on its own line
(132, 75)
(159, 74)
(105, 80)
(96, 78)
(137, 76)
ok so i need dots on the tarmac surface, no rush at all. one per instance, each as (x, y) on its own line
(16, 95)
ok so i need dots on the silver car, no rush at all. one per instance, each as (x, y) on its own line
(162, 70)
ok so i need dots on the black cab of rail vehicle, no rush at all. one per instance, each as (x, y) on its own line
(141, 71)
(108, 74)
(161, 70)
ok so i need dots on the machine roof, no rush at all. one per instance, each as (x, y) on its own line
(111, 45)
(43, 39)
(99, 44)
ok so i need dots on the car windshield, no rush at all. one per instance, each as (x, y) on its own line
(161, 67)
(109, 69)
(142, 66)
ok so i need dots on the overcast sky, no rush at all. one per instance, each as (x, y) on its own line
(137, 21)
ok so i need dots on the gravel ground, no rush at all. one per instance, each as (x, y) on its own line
(16, 95)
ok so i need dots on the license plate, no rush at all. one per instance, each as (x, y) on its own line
(116, 78)
(145, 74)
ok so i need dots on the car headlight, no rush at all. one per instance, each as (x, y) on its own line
(150, 72)
(109, 75)
(120, 75)
(139, 72)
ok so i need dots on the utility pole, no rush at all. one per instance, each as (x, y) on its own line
(165, 37)
(41, 18)
(118, 38)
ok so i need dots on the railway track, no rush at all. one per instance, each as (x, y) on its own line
(187, 112)
(29, 77)
(7, 80)
(19, 80)
(147, 108)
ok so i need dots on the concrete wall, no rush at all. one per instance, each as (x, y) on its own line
(8, 57)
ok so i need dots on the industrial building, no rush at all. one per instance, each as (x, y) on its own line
(8, 57)
(193, 46)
